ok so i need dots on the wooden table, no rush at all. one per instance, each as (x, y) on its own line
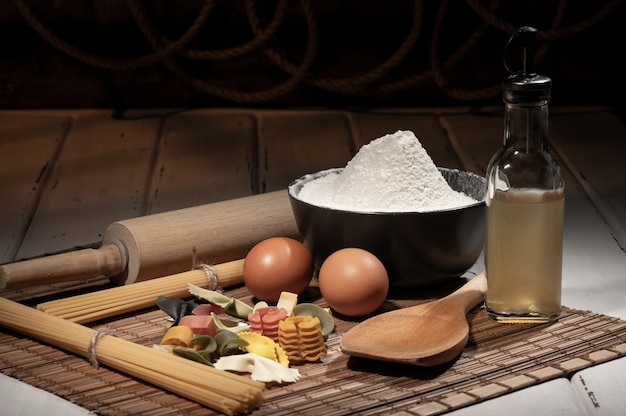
(65, 175)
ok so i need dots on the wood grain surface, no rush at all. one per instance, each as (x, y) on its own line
(65, 175)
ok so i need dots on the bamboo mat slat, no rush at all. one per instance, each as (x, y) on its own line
(498, 359)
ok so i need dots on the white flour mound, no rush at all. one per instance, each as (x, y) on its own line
(390, 174)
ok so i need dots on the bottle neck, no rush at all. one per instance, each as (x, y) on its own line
(526, 126)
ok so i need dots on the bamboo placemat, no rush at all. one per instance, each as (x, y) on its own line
(498, 359)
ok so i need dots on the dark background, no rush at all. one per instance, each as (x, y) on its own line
(354, 53)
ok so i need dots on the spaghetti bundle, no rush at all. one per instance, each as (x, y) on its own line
(111, 302)
(220, 390)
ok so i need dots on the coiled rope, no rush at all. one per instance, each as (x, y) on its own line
(372, 82)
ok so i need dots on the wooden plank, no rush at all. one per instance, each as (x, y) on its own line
(19, 398)
(476, 136)
(601, 388)
(590, 251)
(554, 397)
(592, 144)
(29, 144)
(295, 143)
(204, 156)
(593, 264)
(100, 176)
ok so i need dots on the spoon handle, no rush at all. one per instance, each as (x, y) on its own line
(472, 293)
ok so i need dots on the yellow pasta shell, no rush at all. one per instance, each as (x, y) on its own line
(282, 356)
(264, 346)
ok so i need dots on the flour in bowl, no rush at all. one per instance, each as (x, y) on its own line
(393, 173)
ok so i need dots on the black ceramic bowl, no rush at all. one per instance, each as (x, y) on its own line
(417, 248)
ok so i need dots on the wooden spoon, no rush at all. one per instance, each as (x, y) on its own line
(427, 334)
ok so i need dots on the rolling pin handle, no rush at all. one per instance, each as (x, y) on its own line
(83, 264)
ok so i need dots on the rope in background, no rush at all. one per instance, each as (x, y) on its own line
(299, 71)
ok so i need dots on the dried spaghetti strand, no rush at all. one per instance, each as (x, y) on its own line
(115, 301)
(220, 390)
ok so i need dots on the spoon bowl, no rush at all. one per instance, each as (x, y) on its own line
(427, 334)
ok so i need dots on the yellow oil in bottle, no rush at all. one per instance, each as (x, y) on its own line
(523, 255)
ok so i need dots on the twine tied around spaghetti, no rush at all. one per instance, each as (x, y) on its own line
(91, 349)
(209, 271)
(211, 275)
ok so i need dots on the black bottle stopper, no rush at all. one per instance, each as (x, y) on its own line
(525, 86)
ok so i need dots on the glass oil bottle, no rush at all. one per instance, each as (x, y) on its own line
(525, 203)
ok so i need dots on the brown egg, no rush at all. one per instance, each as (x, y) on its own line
(353, 281)
(275, 265)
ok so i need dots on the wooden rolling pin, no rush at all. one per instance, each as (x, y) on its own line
(161, 244)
